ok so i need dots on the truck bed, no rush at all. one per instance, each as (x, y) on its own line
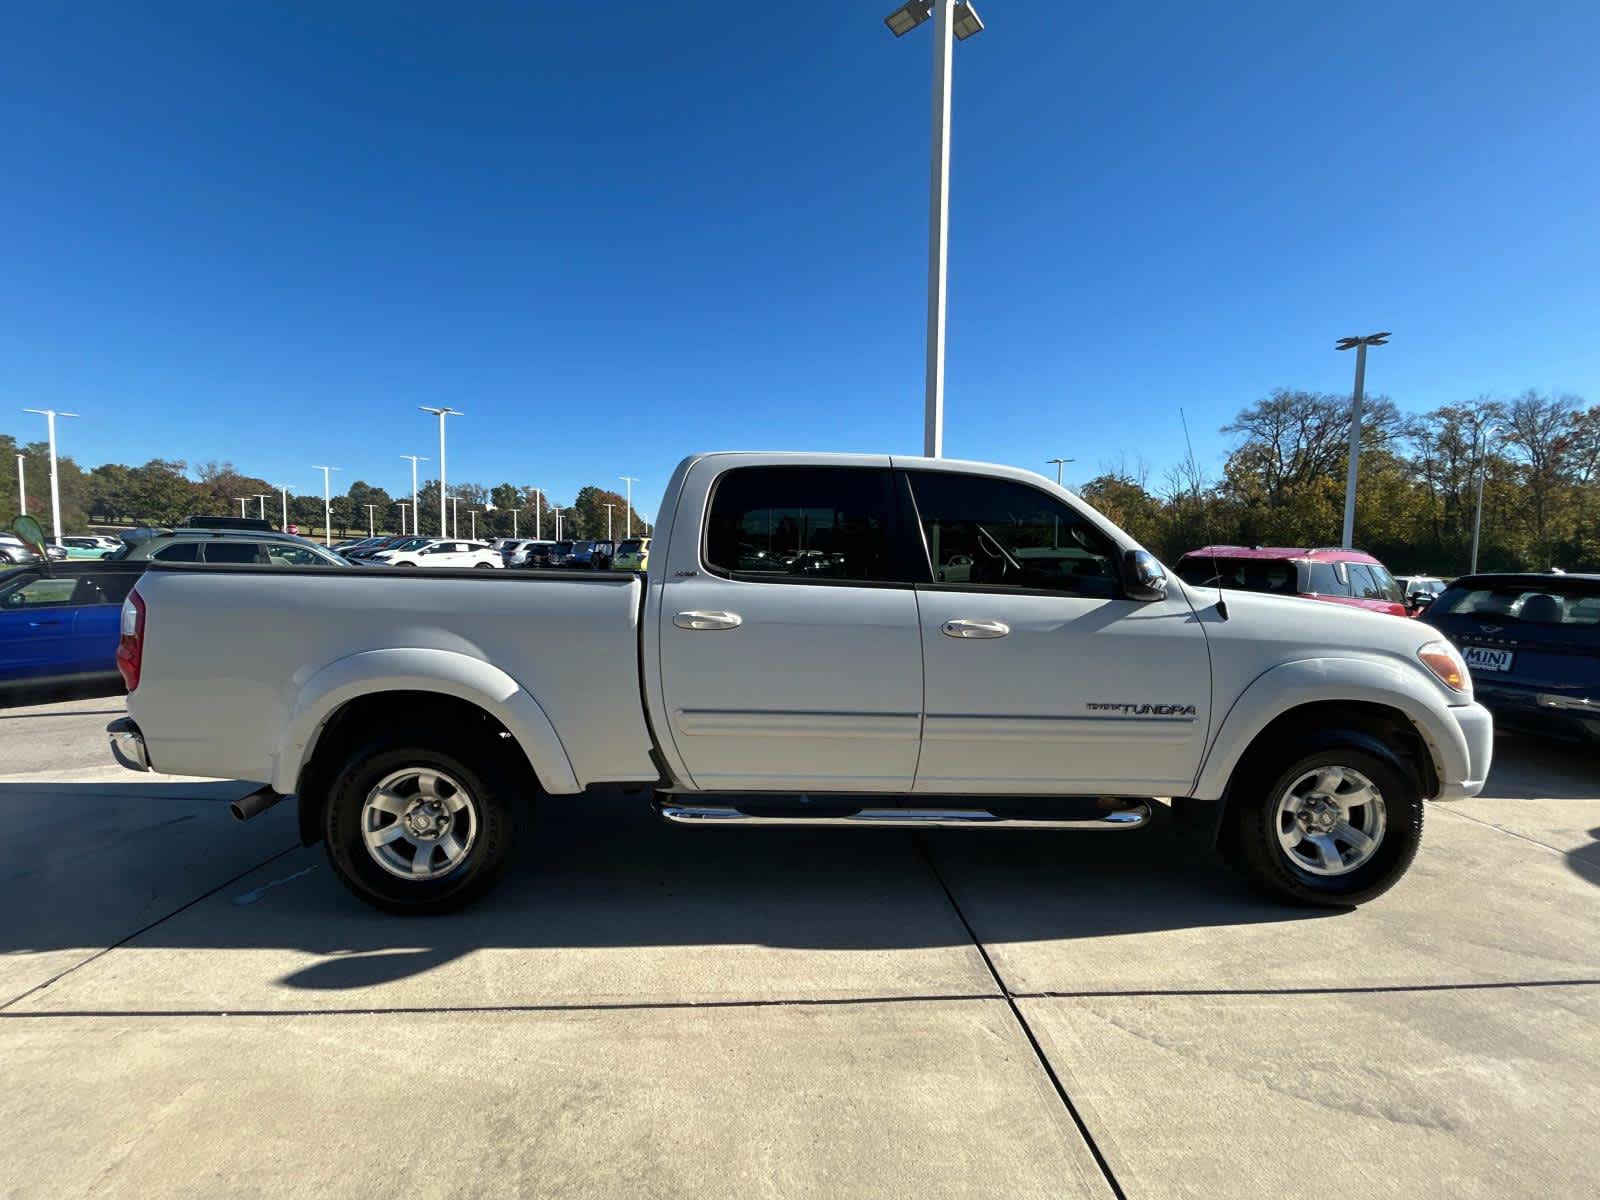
(231, 650)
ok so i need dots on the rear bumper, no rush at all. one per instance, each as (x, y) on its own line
(127, 744)
(1477, 730)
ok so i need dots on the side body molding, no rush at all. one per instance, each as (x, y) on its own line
(444, 672)
(1372, 680)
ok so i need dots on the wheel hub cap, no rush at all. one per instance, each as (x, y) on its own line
(419, 823)
(1330, 821)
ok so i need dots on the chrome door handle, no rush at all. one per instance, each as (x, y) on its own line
(708, 620)
(960, 628)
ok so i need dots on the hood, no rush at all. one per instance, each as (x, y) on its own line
(1316, 624)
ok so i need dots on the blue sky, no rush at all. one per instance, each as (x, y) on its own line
(617, 234)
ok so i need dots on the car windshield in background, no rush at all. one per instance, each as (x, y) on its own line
(1272, 575)
(628, 547)
(1552, 605)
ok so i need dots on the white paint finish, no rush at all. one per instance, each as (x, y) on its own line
(817, 685)
(229, 657)
(1012, 713)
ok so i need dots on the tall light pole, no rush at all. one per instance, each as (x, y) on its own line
(630, 480)
(403, 506)
(441, 413)
(557, 512)
(261, 505)
(959, 19)
(538, 525)
(370, 509)
(22, 488)
(513, 522)
(283, 495)
(327, 503)
(415, 459)
(1359, 345)
(1483, 469)
(472, 514)
(1059, 462)
(455, 517)
(609, 507)
(241, 500)
(50, 415)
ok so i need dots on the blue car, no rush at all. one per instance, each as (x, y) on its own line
(62, 623)
(1532, 643)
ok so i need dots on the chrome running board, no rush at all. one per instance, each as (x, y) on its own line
(1134, 816)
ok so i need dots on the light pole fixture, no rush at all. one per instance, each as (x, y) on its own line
(403, 506)
(1483, 469)
(50, 415)
(370, 509)
(557, 511)
(1059, 462)
(609, 514)
(472, 513)
(630, 481)
(1359, 345)
(538, 527)
(22, 488)
(261, 505)
(441, 413)
(959, 20)
(455, 517)
(327, 503)
(241, 500)
(415, 459)
(283, 495)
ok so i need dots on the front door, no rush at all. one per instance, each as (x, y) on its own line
(790, 655)
(1041, 677)
(36, 626)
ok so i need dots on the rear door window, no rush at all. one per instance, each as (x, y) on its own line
(179, 552)
(796, 524)
(1323, 580)
(1362, 585)
(233, 552)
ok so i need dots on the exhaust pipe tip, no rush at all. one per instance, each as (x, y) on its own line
(256, 803)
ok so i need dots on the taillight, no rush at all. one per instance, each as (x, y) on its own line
(130, 646)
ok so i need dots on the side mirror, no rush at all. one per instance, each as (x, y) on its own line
(1420, 600)
(1144, 576)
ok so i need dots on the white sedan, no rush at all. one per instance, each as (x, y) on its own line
(446, 553)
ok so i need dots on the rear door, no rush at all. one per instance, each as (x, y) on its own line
(97, 619)
(1041, 677)
(790, 658)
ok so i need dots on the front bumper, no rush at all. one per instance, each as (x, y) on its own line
(127, 744)
(1477, 729)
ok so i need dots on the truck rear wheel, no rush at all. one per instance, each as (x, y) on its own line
(416, 825)
(1331, 821)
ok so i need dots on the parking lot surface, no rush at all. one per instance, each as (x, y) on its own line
(189, 1006)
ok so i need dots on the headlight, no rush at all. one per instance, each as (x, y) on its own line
(1446, 665)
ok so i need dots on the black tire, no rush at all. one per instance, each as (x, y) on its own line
(483, 566)
(490, 791)
(1250, 833)
(405, 564)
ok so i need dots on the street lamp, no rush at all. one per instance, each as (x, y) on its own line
(327, 503)
(609, 508)
(403, 506)
(538, 527)
(630, 480)
(441, 413)
(1359, 345)
(50, 415)
(415, 459)
(241, 500)
(1059, 462)
(557, 511)
(960, 19)
(261, 505)
(1483, 469)
(473, 514)
(370, 508)
(283, 494)
(22, 488)
(455, 517)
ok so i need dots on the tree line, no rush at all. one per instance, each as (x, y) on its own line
(1283, 484)
(165, 492)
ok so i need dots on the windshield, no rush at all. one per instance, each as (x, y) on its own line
(1272, 575)
(628, 547)
(1549, 604)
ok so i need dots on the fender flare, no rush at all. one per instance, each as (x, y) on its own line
(1360, 680)
(417, 669)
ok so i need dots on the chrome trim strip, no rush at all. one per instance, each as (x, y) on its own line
(1132, 817)
(962, 727)
(714, 722)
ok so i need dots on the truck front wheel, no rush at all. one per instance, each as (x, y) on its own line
(415, 827)
(1330, 823)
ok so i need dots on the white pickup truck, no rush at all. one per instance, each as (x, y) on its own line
(822, 639)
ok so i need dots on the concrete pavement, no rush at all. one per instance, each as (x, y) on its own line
(189, 1006)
